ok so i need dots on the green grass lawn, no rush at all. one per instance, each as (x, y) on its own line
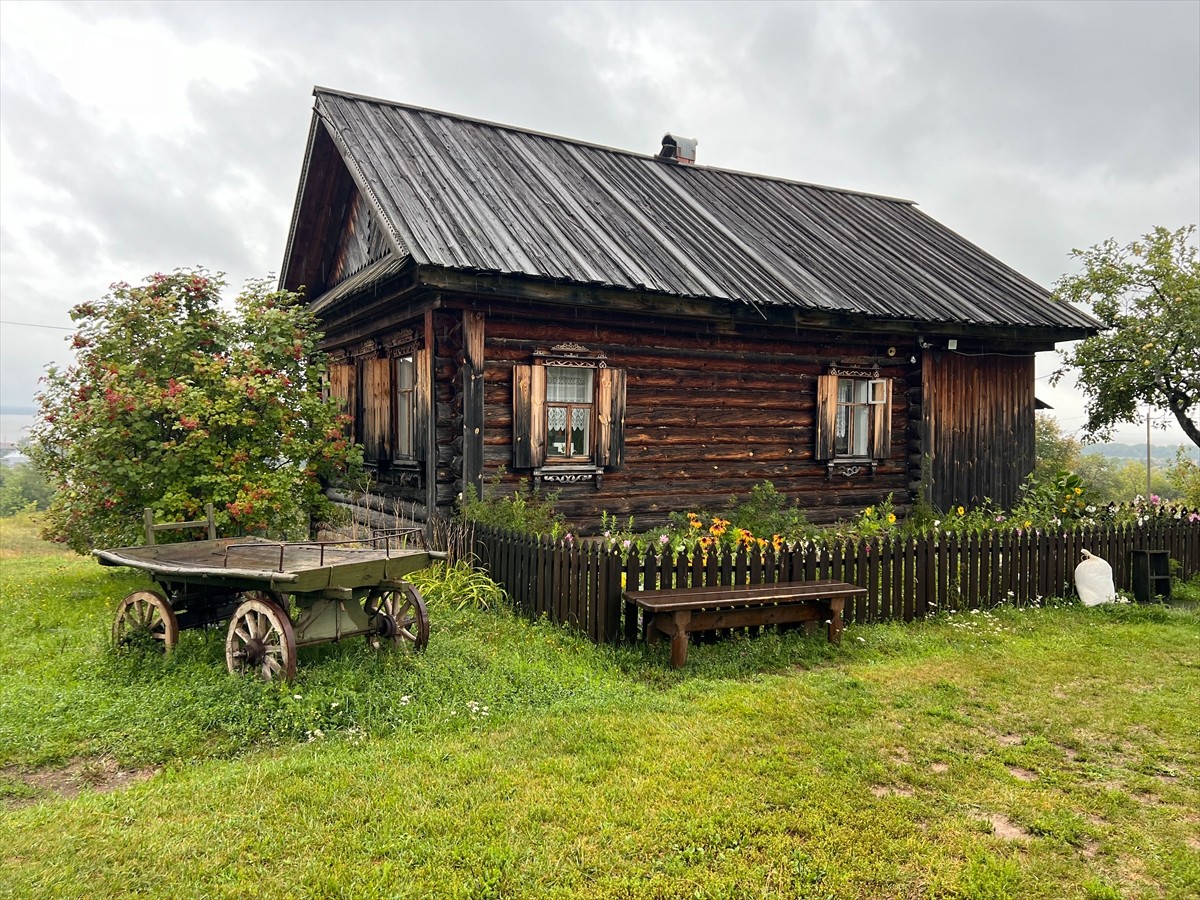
(1024, 753)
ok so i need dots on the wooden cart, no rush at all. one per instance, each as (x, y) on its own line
(276, 596)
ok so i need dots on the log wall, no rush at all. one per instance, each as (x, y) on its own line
(713, 409)
(707, 416)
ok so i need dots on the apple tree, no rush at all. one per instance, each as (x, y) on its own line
(1147, 295)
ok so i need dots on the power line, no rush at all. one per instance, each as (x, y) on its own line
(34, 325)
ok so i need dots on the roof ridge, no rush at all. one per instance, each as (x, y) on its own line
(349, 95)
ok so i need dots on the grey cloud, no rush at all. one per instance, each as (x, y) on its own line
(1063, 84)
(145, 192)
(1028, 127)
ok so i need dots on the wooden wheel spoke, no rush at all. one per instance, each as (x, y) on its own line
(147, 613)
(401, 616)
(260, 638)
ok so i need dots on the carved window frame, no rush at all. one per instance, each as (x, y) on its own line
(531, 417)
(875, 411)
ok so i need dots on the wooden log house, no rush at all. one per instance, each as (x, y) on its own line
(646, 335)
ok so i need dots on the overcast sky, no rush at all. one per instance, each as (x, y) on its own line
(138, 137)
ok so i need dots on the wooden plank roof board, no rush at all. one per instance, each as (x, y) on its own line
(466, 195)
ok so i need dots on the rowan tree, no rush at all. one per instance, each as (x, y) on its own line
(1147, 295)
(174, 401)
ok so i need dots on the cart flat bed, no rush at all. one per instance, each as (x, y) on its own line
(338, 589)
(253, 562)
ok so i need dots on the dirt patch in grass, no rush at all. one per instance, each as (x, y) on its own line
(940, 768)
(1023, 774)
(1006, 829)
(100, 775)
(1148, 799)
(1009, 740)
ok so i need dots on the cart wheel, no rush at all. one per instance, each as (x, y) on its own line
(398, 612)
(261, 640)
(145, 613)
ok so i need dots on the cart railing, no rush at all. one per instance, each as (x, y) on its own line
(351, 545)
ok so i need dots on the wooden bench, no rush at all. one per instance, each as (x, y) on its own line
(677, 613)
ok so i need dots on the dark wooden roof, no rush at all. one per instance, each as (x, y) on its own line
(467, 195)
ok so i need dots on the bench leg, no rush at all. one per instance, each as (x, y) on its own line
(679, 640)
(836, 605)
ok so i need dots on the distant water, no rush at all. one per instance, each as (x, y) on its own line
(12, 427)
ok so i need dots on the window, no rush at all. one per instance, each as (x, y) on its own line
(853, 416)
(568, 420)
(856, 398)
(404, 445)
(382, 396)
(569, 413)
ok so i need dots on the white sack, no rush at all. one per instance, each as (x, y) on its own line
(1094, 581)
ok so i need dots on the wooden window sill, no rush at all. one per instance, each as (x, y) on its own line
(568, 473)
(848, 467)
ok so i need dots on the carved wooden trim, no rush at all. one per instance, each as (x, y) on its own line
(365, 350)
(559, 474)
(569, 354)
(404, 342)
(853, 371)
(850, 468)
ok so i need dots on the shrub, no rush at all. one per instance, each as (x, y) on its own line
(524, 509)
(175, 401)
